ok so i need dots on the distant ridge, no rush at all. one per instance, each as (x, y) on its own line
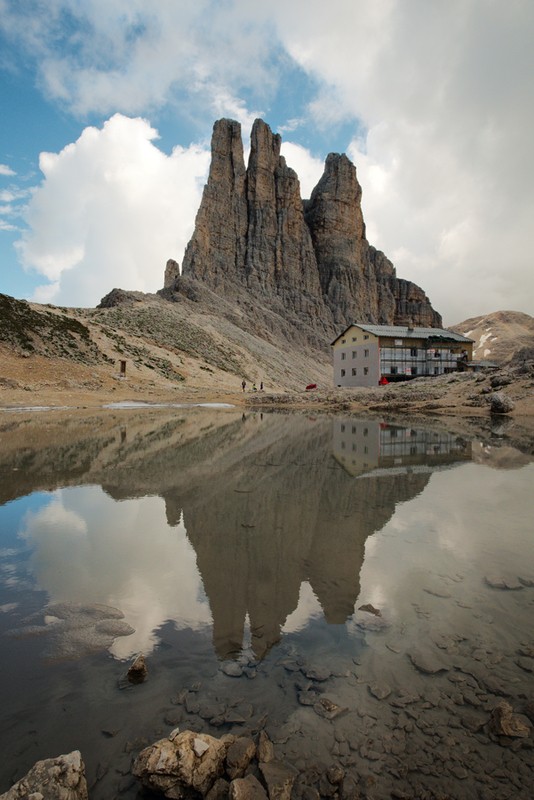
(499, 335)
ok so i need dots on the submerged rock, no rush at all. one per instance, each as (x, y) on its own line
(504, 722)
(75, 629)
(328, 709)
(426, 662)
(232, 669)
(504, 582)
(370, 609)
(61, 778)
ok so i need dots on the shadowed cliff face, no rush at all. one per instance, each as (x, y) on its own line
(254, 233)
(265, 505)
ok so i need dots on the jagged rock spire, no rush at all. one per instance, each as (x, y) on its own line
(253, 232)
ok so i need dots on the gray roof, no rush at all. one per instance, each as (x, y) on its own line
(403, 332)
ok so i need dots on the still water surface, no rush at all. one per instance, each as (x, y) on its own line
(235, 551)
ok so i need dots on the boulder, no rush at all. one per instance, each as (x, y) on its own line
(501, 403)
(190, 762)
(61, 778)
(501, 379)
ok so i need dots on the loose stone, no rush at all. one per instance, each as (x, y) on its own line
(328, 709)
(370, 609)
(137, 673)
(505, 723)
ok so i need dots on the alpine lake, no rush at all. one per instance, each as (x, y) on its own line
(360, 589)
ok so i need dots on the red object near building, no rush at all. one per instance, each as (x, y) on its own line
(311, 386)
(383, 381)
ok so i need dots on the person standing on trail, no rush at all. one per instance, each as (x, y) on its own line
(244, 384)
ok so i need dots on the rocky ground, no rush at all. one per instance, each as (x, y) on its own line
(197, 349)
(29, 380)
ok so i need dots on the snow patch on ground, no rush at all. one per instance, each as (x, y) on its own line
(483, 339)
(486, 353)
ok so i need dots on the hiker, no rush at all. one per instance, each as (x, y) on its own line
(244, 384)
(254, 387)
(261, 386)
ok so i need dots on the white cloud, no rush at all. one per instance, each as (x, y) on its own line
(106, 56)
(5, 170)
(111, 210)
(443, 93)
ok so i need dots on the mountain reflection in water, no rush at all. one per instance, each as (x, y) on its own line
(268, 502)
(269, 540)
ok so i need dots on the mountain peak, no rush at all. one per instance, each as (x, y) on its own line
(254, 233)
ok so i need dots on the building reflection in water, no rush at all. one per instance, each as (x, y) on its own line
(265, 505)
(365, 446)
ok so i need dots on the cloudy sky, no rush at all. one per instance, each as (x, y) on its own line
(108, 105)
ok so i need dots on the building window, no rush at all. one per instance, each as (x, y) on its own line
(343, 341)
(354, 428)
(366, 370)
(414, 370)
(342, 373)
(353, 338)
(354, 353)
(343, 356)
(398, 342)
(342, 429)
(393, 370)
(413, 351)
(366, 336)
(354, 371)
(366, 353)
(365, 431)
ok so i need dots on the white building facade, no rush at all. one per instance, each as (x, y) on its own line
(363, 355)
